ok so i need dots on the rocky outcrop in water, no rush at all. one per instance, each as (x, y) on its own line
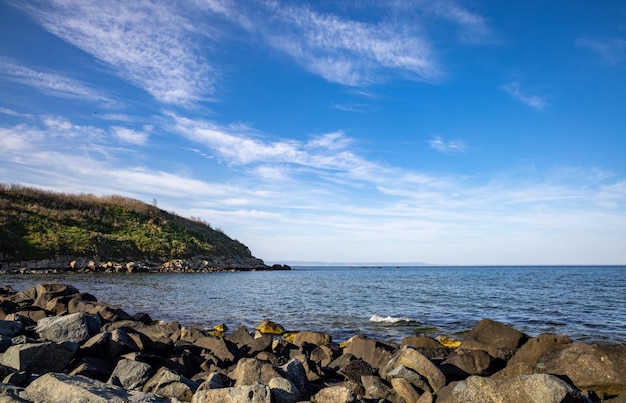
(57, 344)
(198, 264)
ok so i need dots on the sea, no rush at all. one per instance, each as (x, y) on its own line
(586, 303)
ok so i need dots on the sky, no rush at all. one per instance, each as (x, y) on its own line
(456, 132)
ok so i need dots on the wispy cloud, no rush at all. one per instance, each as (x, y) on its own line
(51, 83)
(146, 43)
(130, 136)
(472, 27)
(447, 147)
(534, 101)
(338, 48)
(612, 50)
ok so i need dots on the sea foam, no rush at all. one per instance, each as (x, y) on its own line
(389, 319)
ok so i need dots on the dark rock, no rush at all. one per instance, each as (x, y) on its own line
(107, 313)
(373, 352)
(11, 328)
(225, 351)
(18, 378)
(420, 340)
(376, 388)
(47, 291)
(95, 368)
(463, 363)
(143, 318)
(130, 374)
(356, 369)
(493, 337)
(39, 358)
(296, 373)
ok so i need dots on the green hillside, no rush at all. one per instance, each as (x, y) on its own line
(36, 224)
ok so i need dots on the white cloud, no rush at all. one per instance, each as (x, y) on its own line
(613, 50)
(146, 43)
(534, 101)
(131, 136)
(447, 147)
(51, 83)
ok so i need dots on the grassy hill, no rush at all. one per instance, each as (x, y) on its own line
(36, 224)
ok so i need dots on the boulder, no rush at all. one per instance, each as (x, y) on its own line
(375, 353)
(283, 391)
(463, 363)
(296, 373)
(415, 379)
(356, 369)
(212, 381)
(420, 340)
(67, 388)
(493, 337)
(168, 384)
(405, 390)
(316, 338)
(11, 328)
(107, 313)
(225, 351)
(269, 327)
(334, 394)
(536, 347)
(412, 359)
(39, 358)
(538, 388)
(94, 368)
(12, 394)
(76, 327)
(256, 393)
(130, 374)
(47, 291)
(599, 368)
(250, 371)
(375, 388)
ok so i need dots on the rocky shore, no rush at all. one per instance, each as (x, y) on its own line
(60, 345)
(198, 264)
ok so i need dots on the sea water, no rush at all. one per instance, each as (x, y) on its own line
(387, 303)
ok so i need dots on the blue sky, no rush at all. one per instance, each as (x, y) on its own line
(448, 132)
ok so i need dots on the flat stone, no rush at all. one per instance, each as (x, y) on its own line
(39, 358)
(76, 327)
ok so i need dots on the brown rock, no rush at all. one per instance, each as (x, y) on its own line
(250, 371)
(493, 337)
(316, 338)
(601, 369)
(373, 352)
(404, 388)
(412, 359)
(420, 340)
(463, 363)
(536, 347)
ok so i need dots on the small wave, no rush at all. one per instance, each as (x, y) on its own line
(389, 319)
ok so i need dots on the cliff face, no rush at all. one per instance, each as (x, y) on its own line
(56, 229)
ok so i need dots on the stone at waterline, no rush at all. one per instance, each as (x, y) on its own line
(493, 337)
(270, 327)
(536, 347)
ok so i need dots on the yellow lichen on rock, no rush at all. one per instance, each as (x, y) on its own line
(448, 342)
(289, 336)
(269, 327)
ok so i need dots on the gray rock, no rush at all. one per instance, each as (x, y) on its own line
(11, 328)
(411, 376)
(12, 394)
(375, 387)
(250, 371)
(296, 373)
(71, 389)
(130, 374)
(601, 369)
(225, 351)
(356, 369)
(39, 358)
(168, 384)
(538, 388)
(256, 393)
(106, 312)
(283, 390)
(212, 381)
(77, 327)
(412, 359)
